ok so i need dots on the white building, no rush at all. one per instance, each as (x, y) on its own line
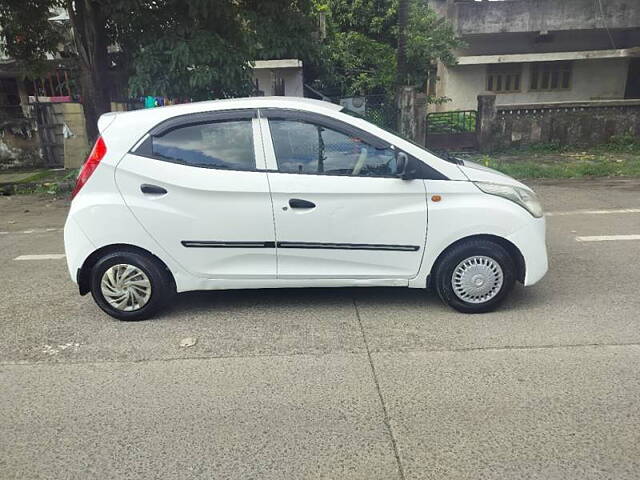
(278, 77)
(541, 51)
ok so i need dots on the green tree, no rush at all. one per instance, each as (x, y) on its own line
(198, 49)
(429, 39)
(27, 33)
(355, 65)
(202, 49)
(29, 37)
(361, 50)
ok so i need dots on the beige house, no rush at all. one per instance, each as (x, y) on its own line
(541, 51)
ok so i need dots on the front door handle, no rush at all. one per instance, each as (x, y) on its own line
(152, 189)
(299, 203)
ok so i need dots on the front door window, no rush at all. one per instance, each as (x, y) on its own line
(303, 147)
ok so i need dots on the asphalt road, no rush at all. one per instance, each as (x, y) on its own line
(346, 383)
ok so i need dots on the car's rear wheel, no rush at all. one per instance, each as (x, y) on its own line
(129, 285)
(475, 276)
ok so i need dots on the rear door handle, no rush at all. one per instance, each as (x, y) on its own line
(299, 203)
(152, 189)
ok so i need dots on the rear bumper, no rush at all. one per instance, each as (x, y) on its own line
(531, 241)
(77, 247)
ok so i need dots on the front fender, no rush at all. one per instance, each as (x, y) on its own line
(465, 211)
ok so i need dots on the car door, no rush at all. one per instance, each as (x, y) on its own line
(194, 185)
(340, 210)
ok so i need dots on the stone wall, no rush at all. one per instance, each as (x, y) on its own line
(565, 123)
(76, 143)
(412, 121)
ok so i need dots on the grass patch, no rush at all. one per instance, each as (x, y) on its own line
(576, 165)
(37, 176)
(620, 144)
(619, 157)
(52, 182)
(626, 143)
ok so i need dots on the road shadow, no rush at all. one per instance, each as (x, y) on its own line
(208, 301)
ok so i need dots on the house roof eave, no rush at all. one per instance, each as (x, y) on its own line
(548, 57)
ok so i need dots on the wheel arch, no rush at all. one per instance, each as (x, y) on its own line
(84, 272)
(512, 250)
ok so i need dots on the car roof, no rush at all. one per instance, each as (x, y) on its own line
(149, 117)
(232, 104)
(132, 125)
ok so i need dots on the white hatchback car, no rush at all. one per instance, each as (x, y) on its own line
(289, 192)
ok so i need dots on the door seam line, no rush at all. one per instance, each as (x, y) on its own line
(273, 207)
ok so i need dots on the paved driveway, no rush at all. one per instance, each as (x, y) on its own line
(376, 383)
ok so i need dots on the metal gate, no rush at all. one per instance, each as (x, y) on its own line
(452, 131)
(51, 134)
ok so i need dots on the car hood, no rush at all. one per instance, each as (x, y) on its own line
(479, 173)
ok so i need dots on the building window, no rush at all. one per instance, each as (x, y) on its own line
(504, 78)
(551, 76)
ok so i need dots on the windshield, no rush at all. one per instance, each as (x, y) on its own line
(444, 155)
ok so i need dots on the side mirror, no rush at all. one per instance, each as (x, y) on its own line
(405, 166)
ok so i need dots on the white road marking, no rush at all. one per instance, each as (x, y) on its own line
(607, 238)
(37, 230)
(48, 256)
(612, 211)
(51, 350)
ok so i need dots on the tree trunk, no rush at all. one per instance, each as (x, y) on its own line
(401, 54)
(90, 38)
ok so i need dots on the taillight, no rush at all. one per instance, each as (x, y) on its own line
(98, 152)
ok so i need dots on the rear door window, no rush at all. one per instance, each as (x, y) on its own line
(223, 144)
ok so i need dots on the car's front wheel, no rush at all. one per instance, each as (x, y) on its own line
(129, 285)
(475, 276)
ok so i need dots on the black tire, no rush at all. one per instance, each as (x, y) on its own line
(455, 256)
(162, 287)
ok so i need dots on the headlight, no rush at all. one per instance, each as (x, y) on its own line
(523, 197)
